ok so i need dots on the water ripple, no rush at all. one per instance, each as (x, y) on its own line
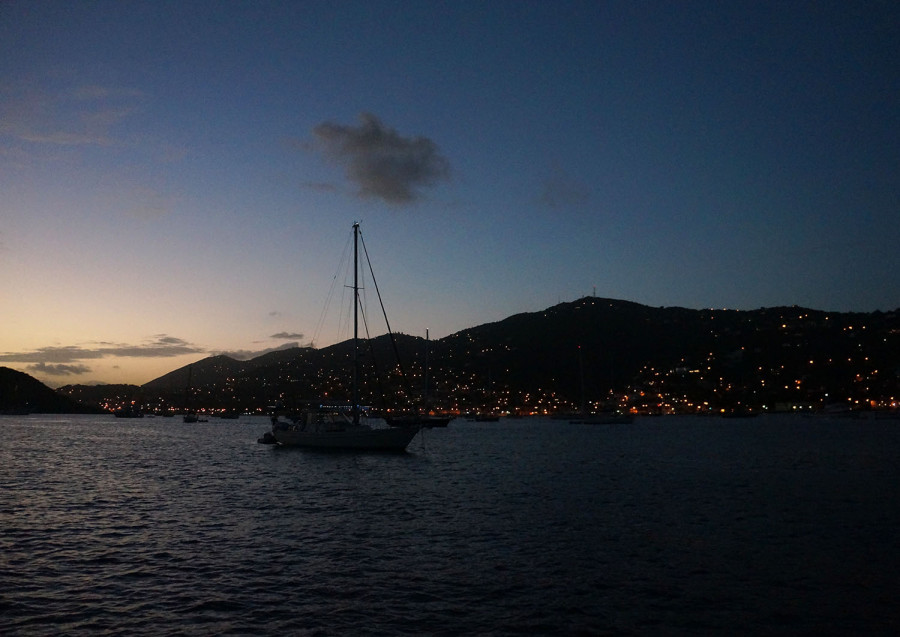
(678, 526)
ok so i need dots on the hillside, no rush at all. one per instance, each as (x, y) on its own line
(20, 393)
(593, 351)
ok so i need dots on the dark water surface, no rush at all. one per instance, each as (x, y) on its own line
(667, 526)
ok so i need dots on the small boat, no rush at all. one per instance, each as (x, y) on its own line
(837, 410)
(16, 411)
(408, 420)
(329, 427)
(129, 411)
(740, 412)
(605, 418)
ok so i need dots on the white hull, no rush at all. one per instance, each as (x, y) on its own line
(350, 437)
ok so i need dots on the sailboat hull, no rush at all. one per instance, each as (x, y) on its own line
(418, 421)
(360, 438)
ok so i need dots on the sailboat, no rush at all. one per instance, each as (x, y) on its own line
(607, 416)
(421, 419)
(330, 427)
(190, 416)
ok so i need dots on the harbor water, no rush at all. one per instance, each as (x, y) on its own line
(669, 525)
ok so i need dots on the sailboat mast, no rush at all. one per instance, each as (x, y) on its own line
(355, 410)
(425, 375)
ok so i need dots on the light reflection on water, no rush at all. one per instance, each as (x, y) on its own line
(668, 525)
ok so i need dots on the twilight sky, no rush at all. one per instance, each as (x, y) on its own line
(179, 179)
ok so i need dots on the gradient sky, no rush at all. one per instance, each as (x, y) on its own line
(179, 179)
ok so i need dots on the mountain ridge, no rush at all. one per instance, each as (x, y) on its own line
(24, 394)
(591, 350)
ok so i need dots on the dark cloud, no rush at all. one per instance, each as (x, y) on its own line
(164, 340)
(162, 346)
(382, 163)
(52, 355)
(246, 354)
(59, 370)
(287, 335)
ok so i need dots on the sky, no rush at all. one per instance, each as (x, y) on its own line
(180, 179)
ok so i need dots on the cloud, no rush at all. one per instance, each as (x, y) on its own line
(57, 137)
(72, 116)
(59, 370)
(380, 162)
(287, 335)
(246, 354)
(46, 359)
(163, 339)
(162, 347)
(66, 354)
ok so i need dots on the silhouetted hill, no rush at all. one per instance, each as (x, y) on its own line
(592, 350)
(662, 357)
(20, 393)
(603, 341)
(203, 372)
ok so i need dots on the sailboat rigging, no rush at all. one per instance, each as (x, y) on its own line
(329, 427)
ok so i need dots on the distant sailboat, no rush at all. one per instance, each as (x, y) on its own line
(190, 415)
(131, 410)
(325, 427)
(607, 416)
(420, 419)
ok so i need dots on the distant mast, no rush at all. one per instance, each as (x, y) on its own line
(355, 410)
(425, 375)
